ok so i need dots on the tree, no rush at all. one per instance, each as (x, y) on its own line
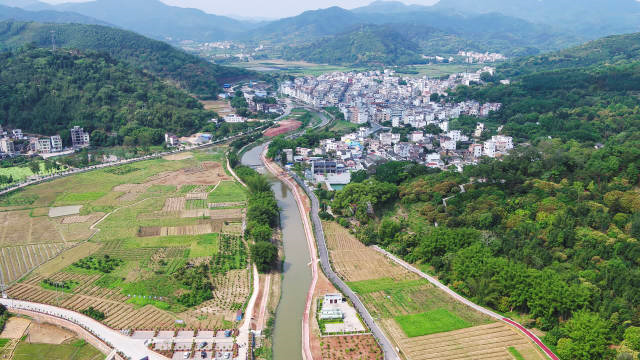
(34, 166)
(359, 176)
(265, 255)
(632, 337)
(260, 233)
(586, 337)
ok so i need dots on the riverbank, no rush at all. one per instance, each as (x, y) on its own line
(304, 208)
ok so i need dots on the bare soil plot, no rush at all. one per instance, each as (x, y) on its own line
(195, 213)
(174, 204)
(480, 342)
(75, 219)
(131, 188)
(42, 333)
(15, 328)
(231, 227)
(18, 228)
(179, 156)
(64, 210)
(226, 214)
(227, 204)
(208, 173)
(353, 261)
(353, 347)
(284, 126)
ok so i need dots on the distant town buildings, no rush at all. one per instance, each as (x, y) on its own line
(6, 146)
(233, 118)
(476, 57)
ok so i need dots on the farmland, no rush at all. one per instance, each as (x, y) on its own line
(120, 240)
(421, 320)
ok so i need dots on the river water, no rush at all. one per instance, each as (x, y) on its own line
(287, 333)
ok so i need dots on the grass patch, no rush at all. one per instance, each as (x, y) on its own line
(161, 189)
(78, 350)
(369, 286)
(431, 322)
(516, 354)
(75, 198)
(4, 342)
(141, 301)
(228, 191)
(18, 198)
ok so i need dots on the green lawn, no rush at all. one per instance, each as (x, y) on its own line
(516, 354)
(78, 350)
(369, 286)
(4, 342)
(431, 322)
(228, 191)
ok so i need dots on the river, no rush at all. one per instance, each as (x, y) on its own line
(287, 333)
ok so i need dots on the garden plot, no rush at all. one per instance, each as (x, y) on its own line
(354, 262)
(18, 228)
(197, 229)
(480, 342)
(226, 214)
(360, 347)
(208, 173)
(197, 196)
(17, 261)
(228, 204)
(174, 204)
(77, 219)
(64, 210)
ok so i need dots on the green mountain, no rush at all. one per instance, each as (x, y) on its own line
(46, 93)
(550, 232)
(49, 16)
(190, 72)
(160, 21)
(365, 45)
(591, 18)
(617, 49)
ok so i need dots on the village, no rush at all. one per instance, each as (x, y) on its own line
(401, 119)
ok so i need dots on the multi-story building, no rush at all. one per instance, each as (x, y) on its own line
(56, 143)
(43, 145)
(6, 145)
(79, 138)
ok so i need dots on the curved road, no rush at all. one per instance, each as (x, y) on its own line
(133, 348)
(470, 304)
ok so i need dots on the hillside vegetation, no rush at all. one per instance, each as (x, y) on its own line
(46, 93)
(365, 45)
(192, 73)
(550, 233)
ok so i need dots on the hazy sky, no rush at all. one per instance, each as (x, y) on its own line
(265, 8)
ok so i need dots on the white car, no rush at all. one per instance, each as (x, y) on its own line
(187, 355)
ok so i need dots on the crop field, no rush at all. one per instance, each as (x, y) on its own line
(228, 192)
(76, 350)
(134, 215)
(350, 347)
(354, 262)
(16, 261)
(423, 321)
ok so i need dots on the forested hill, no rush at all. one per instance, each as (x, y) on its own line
(46, 93)
(612, 50)
(594, 100)
(192, 73)
(549, 234)
(364, 45)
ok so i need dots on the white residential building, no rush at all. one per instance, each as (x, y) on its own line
(79, 138)
(6, 145)
(233, 118)
(416, 136)
(43, 145)
(56, 143)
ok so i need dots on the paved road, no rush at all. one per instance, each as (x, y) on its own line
(133, 348)
(387, 347)
(472, 305)
(42, 179)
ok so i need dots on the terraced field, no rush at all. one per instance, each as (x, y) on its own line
(143, 240)
(398, 297)
(17, 261)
